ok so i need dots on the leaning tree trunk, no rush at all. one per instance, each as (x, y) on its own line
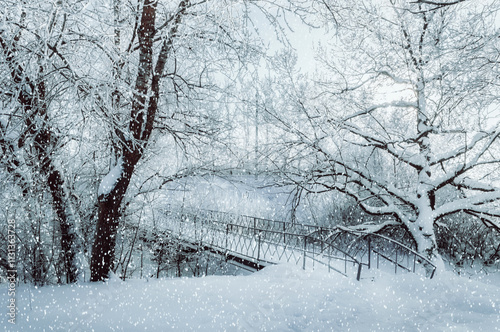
(67, 226)
(32, 98)
(42, 141)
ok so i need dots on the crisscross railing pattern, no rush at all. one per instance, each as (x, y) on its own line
(264, 241)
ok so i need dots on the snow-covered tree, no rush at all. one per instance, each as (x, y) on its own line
(93, 90)
(405, 116)
(162, 79)
(33, 83)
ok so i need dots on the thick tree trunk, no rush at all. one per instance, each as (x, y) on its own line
(423, 233)
(110, 212)
(142, 115)
(103, 250)
(104, 244)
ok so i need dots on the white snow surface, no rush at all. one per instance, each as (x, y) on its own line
(278, 298)
(109, 181)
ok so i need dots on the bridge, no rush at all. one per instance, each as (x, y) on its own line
(253, 243)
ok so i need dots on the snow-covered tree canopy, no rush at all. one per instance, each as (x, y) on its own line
(403, 115)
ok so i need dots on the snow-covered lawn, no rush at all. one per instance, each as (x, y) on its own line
(278, 298)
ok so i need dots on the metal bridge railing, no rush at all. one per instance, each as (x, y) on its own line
(269, 241)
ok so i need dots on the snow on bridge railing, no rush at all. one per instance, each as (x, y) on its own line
(272, 241)
(370, 248)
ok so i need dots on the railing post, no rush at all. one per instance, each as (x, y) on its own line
(200, 225)
(194, 221)
(258, 247)
(284, 233)
(304, 260)
(203, 227)
(432, 274)
(227, 236)
(369, 252)
(313, 245)
(321, 237)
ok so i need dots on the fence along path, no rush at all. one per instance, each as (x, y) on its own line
(253, 243)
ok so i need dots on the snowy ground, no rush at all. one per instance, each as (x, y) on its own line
(278, 298)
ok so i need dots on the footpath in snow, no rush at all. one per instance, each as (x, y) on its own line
(278, 298)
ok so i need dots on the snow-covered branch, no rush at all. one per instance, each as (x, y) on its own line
(414, 160)
(460, 151)
(452, 176)
(473, 203)
(368, 110)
